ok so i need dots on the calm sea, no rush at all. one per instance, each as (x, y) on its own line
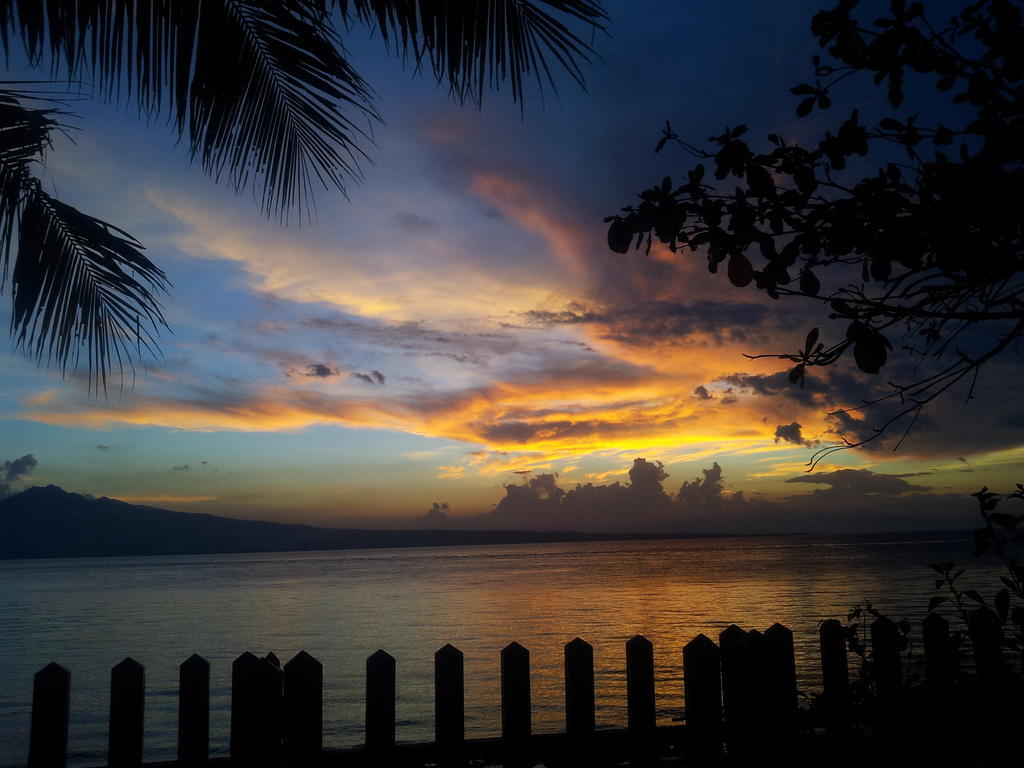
(88, 614)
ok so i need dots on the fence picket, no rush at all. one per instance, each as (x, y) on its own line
(127, 704)
(640, 707)
(303, 699)
(449, 697)
(835, 675)
(238, 666)
(941, 660)
(194, 711)
(51, 699)
(380, 701)
(885, 653)
(987, 638)
(579, 689)
(258, 741)
(516, 714)
(702, 687)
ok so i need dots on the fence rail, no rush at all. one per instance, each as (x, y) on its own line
(740, 695)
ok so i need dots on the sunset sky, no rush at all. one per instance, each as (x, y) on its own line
(459, 324)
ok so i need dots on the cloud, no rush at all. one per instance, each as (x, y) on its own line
(435, 517)
(703, 492)
(637, 322)
(14, 470)
(641, 504)
(791, 433)
(102, 447)
(414, 223)
(373, 377)
(852, 484)
(701, 393)
(556, 406)
(854, 500)
(406, 276)
(320, 371)
(164, 498)
(181, 468)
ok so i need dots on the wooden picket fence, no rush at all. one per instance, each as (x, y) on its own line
(739, 694)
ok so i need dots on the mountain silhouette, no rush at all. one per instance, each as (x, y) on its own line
(51, 522)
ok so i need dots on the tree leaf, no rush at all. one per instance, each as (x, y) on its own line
(1002, 602)
(740, 270)
(809, 283)
(810, 341)
(935, 602)
(973, 595)
(620, 236)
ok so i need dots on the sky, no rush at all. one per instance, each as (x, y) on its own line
(455, 345)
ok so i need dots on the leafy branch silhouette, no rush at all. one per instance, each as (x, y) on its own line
(924, 249)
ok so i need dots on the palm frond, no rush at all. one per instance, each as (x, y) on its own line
(78, 285)
(478, 45)
(24, 135)
(268, 83)
(261, 92)
(81, 287)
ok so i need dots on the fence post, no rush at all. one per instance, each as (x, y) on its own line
(702, 687)
(272, 658)
(258, 741)
(449, 697)
(987, 637)
(941, 661)
(640, 709)
(835, 675)
(515, 693)
(997, 702)
(380, 701)
(734, 672)
(737, 692)
(238, 667)
(579, 689)
(51, 697)
(780, 698)
(194, 711)
(127, 703)
(885, 652)
(889, 729)
(303, 697)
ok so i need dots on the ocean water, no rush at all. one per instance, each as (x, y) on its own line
(89, 614)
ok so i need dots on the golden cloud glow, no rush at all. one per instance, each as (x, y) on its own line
(395, 281)
(522, 425)
(615, 374)
(163, 498)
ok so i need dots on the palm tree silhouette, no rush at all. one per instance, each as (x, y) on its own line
(264, 97)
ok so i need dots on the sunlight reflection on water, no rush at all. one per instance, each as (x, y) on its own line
(88, 614)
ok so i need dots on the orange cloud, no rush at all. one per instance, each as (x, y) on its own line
(527, 207)
(522, 424)
(164, 499)
(394, 280)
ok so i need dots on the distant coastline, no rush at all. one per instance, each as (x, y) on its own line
(49, 522)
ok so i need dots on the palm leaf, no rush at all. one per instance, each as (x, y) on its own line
(265, 100)
(261, 91)
(474, 45)
(24, 135)
(81, 287)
